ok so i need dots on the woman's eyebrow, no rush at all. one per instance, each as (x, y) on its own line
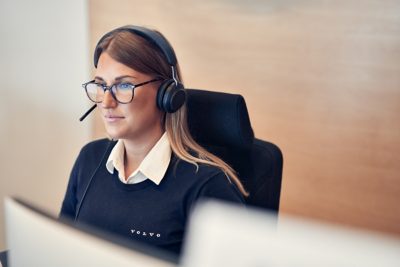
(124, 76)
(117, 78)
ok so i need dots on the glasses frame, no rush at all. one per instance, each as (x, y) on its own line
(110, 88)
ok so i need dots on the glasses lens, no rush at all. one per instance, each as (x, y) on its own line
(95, 92)
(123, 92)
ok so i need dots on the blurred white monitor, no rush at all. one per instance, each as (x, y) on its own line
(34, 238)
(225, 235)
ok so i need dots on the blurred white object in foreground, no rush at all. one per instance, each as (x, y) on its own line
(225, 235)
(34, 238)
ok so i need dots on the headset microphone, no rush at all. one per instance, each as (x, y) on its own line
(87, 112)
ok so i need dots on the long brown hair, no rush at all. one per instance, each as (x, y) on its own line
(143, 56)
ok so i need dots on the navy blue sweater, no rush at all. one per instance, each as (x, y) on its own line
(145, 212)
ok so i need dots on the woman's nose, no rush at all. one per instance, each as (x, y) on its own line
(108, 100)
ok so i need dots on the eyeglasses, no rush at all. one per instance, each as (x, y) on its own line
(121, 92)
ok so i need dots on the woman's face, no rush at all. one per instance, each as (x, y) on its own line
(137, 120)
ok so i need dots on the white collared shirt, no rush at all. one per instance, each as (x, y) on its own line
(153, 166)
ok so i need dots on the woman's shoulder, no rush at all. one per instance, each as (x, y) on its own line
(92, 151)
(97, 146)
(207, 181)
(199, 170)
(200, 174)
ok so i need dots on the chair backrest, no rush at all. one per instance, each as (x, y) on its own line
(220, 123)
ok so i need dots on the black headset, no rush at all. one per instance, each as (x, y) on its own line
(171, 94)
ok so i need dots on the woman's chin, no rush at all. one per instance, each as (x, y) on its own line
(114, 135)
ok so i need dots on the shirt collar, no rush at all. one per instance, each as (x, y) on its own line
(153, 166)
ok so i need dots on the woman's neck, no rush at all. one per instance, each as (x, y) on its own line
(137, 149)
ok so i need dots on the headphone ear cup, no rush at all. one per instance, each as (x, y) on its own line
(161, 92)
(170, 97)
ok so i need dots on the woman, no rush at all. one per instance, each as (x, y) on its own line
(144, 185)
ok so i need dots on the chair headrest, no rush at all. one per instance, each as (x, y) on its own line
(219, 119)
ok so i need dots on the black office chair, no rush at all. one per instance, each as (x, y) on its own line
(220, 123)
(3, 258)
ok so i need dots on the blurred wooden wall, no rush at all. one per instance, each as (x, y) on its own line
(321, 80)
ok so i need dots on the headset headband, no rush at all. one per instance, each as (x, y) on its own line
(149, 35)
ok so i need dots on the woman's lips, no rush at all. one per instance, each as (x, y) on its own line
(113, 118)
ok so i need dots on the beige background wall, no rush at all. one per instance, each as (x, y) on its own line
(321, 80)
(43, 61)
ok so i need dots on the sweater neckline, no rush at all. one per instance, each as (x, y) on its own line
(130, 187)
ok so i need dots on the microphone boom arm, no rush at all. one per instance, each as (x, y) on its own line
(87, 112)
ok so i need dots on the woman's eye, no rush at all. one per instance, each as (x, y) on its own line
(125, 86)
